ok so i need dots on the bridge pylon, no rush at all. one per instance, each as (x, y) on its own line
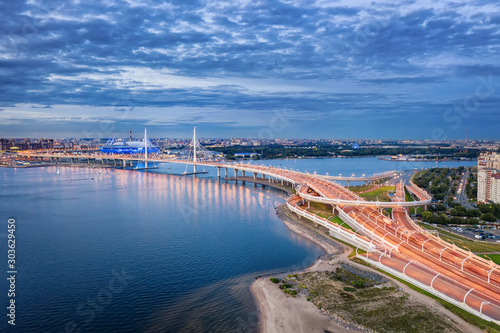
(196, 154)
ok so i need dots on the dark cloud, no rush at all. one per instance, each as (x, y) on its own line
(41, 107)
(105, 54)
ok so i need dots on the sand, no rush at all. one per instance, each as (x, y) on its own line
(280, 312)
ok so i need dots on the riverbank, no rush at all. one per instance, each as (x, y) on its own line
(280, 312)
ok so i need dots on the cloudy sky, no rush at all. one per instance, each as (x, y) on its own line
(289, 68)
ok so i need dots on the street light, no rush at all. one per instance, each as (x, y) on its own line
(481, 307)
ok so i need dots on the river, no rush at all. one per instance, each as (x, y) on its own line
(105, 250)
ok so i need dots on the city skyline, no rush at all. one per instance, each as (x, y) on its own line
(241, 69)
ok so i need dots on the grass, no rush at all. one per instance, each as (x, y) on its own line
(384, 308)
(361, 188)
(468, 317)
(380, 193)
(336, 220)
(325, 211)
(320, 206)
(408, 197)
(463, 242)
(494, 257)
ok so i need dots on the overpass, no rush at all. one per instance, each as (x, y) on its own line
(396, 245)
(363, 178)
(273, 174)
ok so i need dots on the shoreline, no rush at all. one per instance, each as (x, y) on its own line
(279, 312)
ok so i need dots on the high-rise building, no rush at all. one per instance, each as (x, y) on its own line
(488, 177)
(495, 188)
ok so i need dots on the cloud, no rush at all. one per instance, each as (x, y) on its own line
(41, 107)
(319, 57)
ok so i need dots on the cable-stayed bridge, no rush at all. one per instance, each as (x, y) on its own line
(397, 245)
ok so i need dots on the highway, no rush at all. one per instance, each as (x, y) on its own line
(461, 195)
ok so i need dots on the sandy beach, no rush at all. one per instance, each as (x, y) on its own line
(280, 312)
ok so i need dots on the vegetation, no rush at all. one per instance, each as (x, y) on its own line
(325, 211)
(437, 181)
(408, 196)
(487, 326)
(379, 193)
(489, 210)
(274, 280)
(441, 183)
(471, 186)
(379, 306)
(329, 150)
(360, 188)
(461, 215)
(494, 257)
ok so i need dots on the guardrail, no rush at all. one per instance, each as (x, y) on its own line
(417, 190)
(337, 230)
(436, 284)
(362, 178)
(363, 203)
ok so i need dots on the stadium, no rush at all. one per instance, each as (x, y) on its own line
(128, 147)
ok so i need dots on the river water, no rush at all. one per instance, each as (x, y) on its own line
(104, 250)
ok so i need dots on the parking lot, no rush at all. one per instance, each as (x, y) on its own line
(471, 233)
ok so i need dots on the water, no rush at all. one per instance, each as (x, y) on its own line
(105, 250)
(356, 166)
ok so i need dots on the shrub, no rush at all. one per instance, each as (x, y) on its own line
(274, 280)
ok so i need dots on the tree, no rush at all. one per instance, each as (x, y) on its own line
(473, 212)
(472, 220)
(489, 217)
(427, 216)
(484, 208)
(440, 207)
(440, 219)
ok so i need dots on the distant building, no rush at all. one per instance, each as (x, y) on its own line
(488, 177)
(246, 155)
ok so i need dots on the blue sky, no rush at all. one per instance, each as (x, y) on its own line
(241, 68)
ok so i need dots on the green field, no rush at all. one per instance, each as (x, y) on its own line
(494, 257)
(360, 188)
(380, 193)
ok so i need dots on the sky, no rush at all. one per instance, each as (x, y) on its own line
(261, 69)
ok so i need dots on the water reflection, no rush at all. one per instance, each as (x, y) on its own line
(196, 243)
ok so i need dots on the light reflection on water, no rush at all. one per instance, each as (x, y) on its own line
(193, 245)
